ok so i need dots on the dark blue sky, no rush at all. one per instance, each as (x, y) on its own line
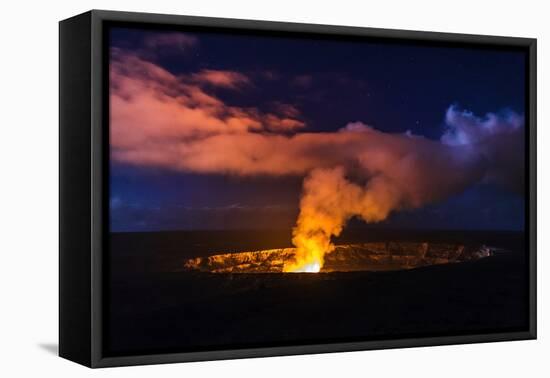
(391, 87)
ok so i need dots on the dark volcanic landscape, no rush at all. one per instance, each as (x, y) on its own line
(155, 304)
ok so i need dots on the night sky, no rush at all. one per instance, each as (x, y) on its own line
(394, 88)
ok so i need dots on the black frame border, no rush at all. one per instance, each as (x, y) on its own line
(100, 165)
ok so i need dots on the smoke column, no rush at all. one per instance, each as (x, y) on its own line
(401, 174)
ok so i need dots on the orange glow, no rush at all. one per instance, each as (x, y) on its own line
(310, 251)
(328, 201)
(313, 267)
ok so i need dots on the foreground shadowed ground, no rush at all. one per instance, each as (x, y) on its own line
(164, 309)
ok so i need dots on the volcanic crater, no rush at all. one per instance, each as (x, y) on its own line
(375, 256)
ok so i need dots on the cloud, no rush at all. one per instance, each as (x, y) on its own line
(464, 127)
(218, 78)
(154, 113)
(287, 110)
(498, 137)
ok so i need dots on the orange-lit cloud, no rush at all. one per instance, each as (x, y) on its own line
(226, 79)
(154, 111)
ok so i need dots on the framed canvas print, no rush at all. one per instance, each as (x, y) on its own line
(234, 188)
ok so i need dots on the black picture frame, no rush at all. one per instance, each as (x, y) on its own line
(83, 180)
